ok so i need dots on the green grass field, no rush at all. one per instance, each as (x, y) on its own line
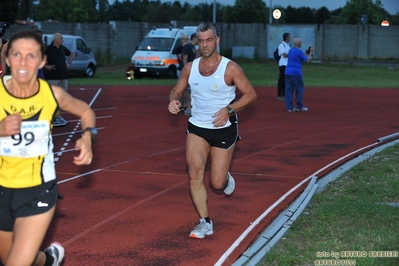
(351, 214)
(266, 74)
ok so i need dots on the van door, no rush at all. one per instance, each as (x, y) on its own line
(70, 44)
(82, 56)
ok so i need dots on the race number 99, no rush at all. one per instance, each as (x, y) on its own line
(27, 138)
(32, 141)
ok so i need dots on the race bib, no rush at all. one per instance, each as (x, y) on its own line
(32, 141)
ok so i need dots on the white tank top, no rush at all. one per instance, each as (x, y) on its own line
(209, 94)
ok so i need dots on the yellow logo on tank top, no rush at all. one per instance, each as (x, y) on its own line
(25, 113)
(214, 86)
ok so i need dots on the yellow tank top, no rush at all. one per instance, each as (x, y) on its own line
(23, 164)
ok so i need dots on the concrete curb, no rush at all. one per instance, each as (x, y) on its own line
(278, 228)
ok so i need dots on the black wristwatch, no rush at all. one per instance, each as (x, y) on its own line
(231, 111)
(93, 132)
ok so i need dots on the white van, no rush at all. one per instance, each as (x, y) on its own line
(84, 62)
(154, 56)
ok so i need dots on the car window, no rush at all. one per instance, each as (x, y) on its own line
(81, 46)
(156, 44)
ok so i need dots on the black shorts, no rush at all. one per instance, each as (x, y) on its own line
(23, 202)
(223, 138)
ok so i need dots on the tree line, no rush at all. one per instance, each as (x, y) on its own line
(243, 11)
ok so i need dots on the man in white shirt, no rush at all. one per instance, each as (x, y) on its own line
(283, 50)
(212, 129)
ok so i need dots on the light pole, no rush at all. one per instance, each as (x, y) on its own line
(214, 11)
(270, 12)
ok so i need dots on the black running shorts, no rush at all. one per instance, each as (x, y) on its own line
(223, 138)
(15, 203)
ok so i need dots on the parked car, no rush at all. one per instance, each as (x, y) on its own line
(84, 62)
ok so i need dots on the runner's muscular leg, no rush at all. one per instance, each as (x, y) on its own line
(5, 245)
(197, 150)
(220, 165)
(6, 241)
(27, 237)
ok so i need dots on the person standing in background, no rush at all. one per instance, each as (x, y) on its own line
(56, 68)
(283, 50)
(189, 51)
(189, 54)
(3, 48)
(178, 51)
(40, 72)
(294, 78)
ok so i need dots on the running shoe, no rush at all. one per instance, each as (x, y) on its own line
(57, 251)
(303, 109)
(231, 185)
(202, 230)
(59, 122)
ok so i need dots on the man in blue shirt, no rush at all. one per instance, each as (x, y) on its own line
(293, 76)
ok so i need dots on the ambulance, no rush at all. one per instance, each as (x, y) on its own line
(154, 56)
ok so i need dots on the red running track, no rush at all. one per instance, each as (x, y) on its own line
(132, 205)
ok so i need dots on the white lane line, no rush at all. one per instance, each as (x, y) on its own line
(70, 132)
(110, 218)
(77, 176)
(75, 130)
(95, 97)
(97, 118)
(120, 163)
(104, 108)
(66, 143)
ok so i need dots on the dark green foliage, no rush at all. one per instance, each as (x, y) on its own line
(8, 10)
(243, 11)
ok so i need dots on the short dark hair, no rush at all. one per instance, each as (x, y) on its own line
(26, 34)
(194, 35)
(39, 32)
(285, 36)
(204, 26)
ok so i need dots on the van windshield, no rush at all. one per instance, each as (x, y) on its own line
(156, 44)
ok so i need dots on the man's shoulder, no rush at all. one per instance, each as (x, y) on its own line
(49, 47)
(296, 51)
(187, 48)
(178, 49)
(230, 64)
